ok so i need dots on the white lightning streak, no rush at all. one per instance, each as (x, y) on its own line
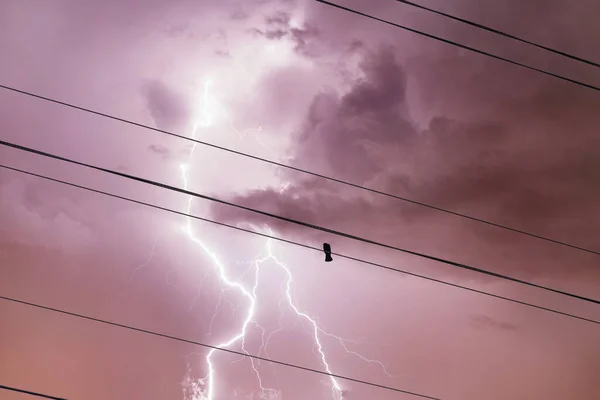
(208, 393)
(343, 342)
(205, 389)
(284, 187)
(335, 386)
(148, 261)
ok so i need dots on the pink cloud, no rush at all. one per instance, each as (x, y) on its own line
(333, 93)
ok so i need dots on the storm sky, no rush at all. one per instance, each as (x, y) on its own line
(304, 84)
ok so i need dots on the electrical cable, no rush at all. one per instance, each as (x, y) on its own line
(462, 46)
(287, 241)
(297, 222)
(480, 26)
(296, 169)
(45, 396)
(208, 346)
(499, 32)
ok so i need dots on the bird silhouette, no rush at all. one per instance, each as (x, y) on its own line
(327, 250)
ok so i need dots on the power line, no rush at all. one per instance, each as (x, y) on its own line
(307, 172)
(45, 396)
(297, 222)
(462, 46)
(208, 346)
(499, 32)
(287, 241)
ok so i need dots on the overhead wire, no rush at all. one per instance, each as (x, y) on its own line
(296, 222)
(302, 245)
(462, 46)
(499, 32)
(30, 393)
(480, 26)
(217, 348)
(296, 169)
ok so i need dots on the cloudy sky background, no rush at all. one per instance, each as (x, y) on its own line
(305, 84)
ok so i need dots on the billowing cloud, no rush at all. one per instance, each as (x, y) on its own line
(30, 219)
(168, 109)
(301, 83)
(515, 166)
(487, 322)
(281, 24)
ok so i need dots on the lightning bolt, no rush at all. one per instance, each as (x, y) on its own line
(335, 386)
(206, 388)
(284, 187)
(254, 132)
(148, 261)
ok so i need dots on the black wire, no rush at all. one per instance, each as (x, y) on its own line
(499, 32)
(462, 46)
(45, 396)
(296, 222)
(170, 337)
(374, 264)
(354, 185)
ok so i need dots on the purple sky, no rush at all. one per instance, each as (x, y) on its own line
(304, 84)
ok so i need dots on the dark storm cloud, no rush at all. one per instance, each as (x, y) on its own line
(270, 33)
(278, 26)
(487, 322)
(526, 156)
(279, 18)
(304, 38)
(34, 218)
(338, 130)
(160, 150)
(495, 142)
(336, 135)
(167, 108)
